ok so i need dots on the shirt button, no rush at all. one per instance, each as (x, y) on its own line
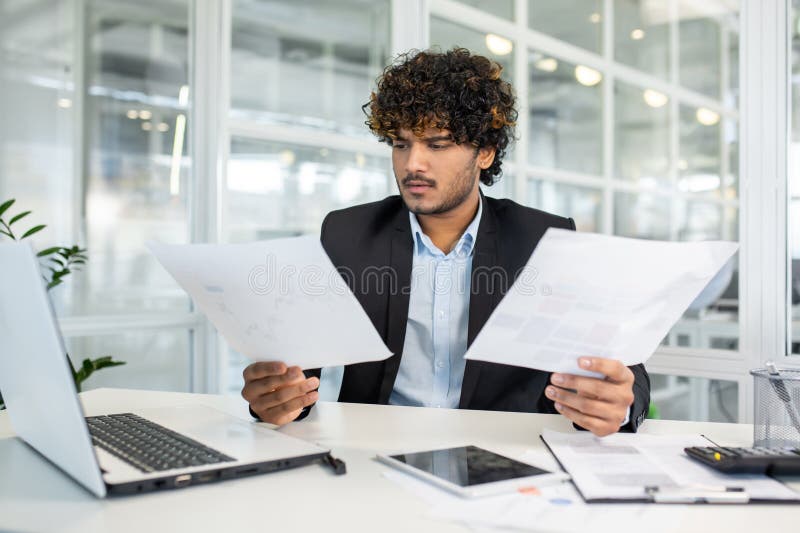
(440, 364)
(441, 314)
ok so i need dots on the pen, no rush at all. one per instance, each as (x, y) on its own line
(783, 394)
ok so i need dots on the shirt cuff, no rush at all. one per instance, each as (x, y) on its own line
(627, 417)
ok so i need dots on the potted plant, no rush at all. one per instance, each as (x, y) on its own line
(58, 262)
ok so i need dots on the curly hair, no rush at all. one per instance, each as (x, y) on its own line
(453, 90)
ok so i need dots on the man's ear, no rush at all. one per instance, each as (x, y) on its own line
(486, 157)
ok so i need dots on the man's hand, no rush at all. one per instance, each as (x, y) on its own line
(278, 394)
(599, 405)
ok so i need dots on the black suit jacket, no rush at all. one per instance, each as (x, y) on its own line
(372, 246)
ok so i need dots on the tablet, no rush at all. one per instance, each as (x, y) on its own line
(470, 471)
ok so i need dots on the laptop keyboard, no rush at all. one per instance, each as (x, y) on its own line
(149, 446)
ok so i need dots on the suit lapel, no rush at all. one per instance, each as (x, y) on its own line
(483, 297)
(400, 261)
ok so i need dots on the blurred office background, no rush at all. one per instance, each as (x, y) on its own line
(123, 121)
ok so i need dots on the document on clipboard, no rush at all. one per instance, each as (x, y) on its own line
(627, 467)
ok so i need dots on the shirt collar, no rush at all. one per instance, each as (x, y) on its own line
(463, 247)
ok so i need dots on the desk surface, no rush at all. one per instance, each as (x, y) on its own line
(36, 496)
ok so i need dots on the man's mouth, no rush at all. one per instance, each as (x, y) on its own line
(417, 187)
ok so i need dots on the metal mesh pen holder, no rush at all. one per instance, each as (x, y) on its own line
(777, 408)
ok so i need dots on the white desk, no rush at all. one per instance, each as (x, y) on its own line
(36, 496)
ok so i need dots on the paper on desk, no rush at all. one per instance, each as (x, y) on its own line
(588, 294)
(277, 300)
(620, 466)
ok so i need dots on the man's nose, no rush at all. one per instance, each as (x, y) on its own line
(417, 161)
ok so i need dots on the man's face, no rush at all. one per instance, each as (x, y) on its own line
(433, 173)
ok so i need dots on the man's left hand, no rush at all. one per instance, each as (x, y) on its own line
(599, 405)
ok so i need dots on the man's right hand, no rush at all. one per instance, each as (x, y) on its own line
(278, 394)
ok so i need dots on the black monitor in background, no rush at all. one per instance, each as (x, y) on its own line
(795, 281)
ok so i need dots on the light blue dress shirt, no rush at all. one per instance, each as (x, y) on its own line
(432, 367)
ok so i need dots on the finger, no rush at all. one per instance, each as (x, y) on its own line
(288, 411)
(611, 368)
(598, 426)
(262, 369)
(284, 395)
(256, 388)
(594, 408)
(587, 387)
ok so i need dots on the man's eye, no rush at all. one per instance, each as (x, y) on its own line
(399, 146)
(438, 146)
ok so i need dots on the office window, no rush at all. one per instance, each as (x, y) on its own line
(308, 64)
(642, 215)
(281, 190)
(154, 359)
(446, 35)
(577, 22)
(87, 143)
(793, 231)
(693, 398)
(641, 135)
(701, 32)
(498, 8)
(136, 186)
(583, 204)
(641, 35)
(565, 109)
(38, 120)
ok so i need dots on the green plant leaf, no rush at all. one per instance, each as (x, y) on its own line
(35, 229)
(48, 251)
(7, 234)
(54, 283)
(6, 205)
(19, 217)
(59, 262)
(108, 364)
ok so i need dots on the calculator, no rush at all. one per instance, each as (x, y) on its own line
(756, 460)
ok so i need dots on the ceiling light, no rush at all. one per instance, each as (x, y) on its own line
(361, 160)
(324, 152)
(287, 158)
(147, 126)
(706, 117)
(177, 155)
(683, 164)
(637, 34)
(162, 126)
(547, 64)
(64, 103)
(587, 76)
(498, 45)
(183, 95)
(132, 114)
(654, 98)
(144, 114)
(594, 18)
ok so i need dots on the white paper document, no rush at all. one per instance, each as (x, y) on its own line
(589, 294)
(277, 300)
(621, 466)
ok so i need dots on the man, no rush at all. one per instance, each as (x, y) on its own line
(429, 266)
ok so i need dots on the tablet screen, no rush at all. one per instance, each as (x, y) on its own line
(468, 465)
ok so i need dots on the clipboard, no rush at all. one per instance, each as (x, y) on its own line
(597, 467)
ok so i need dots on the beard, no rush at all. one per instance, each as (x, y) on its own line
(456, 194)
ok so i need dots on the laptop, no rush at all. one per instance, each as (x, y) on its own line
(126, 453)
